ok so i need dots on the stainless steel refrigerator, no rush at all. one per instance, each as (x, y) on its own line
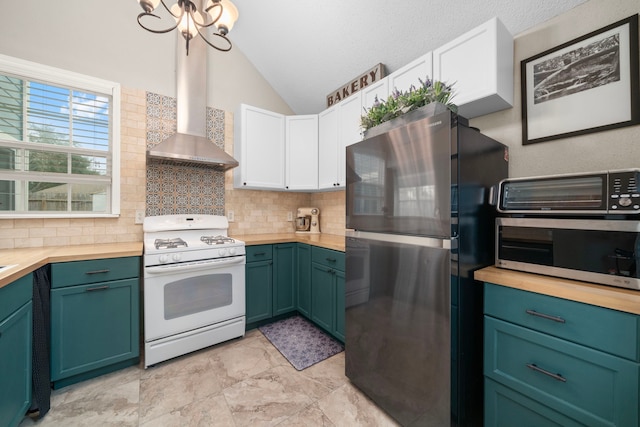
(419, 223)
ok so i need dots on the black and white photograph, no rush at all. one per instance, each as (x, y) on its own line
(586, 85)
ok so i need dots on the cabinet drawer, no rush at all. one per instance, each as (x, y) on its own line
(608, 330)
(93, 271)
(259, 252)
(564, 376)
(15, 295)
(503, 406)
(328, 257)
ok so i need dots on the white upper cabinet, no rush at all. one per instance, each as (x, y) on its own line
(259, 147)
(301, 136)
(480, 65)
(350, 113)
(411, 74)
(379, 89)
(328, 149)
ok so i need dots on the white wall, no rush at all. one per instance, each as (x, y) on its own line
(613, 149)
(103, 39)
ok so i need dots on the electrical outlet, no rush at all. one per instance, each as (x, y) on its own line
(231, 216)
(289, 216)
(139, 217)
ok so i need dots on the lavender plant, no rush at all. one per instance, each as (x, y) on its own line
(399, 103)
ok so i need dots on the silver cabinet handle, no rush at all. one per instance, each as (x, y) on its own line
(546, 316)
(536, 368)
(99, 288)
(97, 271)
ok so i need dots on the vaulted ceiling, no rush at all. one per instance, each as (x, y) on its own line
(307, 49)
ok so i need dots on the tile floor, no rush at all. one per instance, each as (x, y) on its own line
(243, 382)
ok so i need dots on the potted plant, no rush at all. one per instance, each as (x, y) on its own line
(400, 103)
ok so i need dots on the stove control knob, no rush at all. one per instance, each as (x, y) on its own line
(176, 257)
(163, 258)
(222, 252)
(232, 251)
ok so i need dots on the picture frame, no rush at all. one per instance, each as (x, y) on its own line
(589, 84)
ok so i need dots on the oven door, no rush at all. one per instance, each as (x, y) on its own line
(187, 296)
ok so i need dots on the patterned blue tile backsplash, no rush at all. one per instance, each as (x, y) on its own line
(178, 189)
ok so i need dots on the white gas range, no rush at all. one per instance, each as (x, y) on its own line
(194, 287)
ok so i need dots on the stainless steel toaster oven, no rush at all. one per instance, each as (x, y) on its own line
(596, 193)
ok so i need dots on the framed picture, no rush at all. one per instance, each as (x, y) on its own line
(586, 85)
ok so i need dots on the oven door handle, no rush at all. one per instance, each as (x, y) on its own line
(195, 265)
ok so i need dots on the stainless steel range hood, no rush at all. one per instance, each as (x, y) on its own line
(190, 146)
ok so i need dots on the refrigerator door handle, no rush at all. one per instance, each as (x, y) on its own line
(429, 242)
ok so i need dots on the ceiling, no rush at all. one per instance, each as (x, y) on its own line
(307, 49)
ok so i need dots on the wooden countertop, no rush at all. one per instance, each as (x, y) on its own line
(27, 260)
(626, 300)
(328, 241)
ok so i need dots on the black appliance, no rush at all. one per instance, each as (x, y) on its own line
(419, 224)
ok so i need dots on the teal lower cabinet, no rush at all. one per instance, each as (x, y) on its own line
(284, 278)
(287, 278)
(15, 350)
(270, 281)
(304, 280)
(259, 283)
(95, 315)
(555, 362)
(327, 290)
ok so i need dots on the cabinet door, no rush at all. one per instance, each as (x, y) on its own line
(304, 279)
(350, 113)
(328, 148)
(338, 330)
(15, 365)
(379, 89)
(480, 63)
(93, 326)
(322, 296)
(260, 142)
(302, 152)
(403, 78)
(259, 290)
(284, 275)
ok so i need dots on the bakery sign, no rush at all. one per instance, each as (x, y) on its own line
(360, 82)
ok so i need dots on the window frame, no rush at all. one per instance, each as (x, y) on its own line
(56, 76)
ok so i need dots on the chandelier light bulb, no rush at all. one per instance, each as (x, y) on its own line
(148, 5)
(228, 18)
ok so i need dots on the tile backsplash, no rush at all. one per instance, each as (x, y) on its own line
(179, 189)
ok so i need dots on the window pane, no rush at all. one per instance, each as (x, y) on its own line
(7, 196)
(10, 108)
(9, 158)
(47, 161)
(90, 121)
(89, 198)
(47, 196)
(48, 114)
(88, 165)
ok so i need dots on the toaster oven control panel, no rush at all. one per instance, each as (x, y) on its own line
(624, 194)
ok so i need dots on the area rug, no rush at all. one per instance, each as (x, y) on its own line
(300, 341)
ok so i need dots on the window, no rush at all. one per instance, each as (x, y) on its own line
(59, 142)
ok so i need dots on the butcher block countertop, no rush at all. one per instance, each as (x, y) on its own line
(26, 260)
(626, 300)
(328, 241)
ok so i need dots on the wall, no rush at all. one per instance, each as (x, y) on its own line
(614, 149)
(104, 40)
(22, 233)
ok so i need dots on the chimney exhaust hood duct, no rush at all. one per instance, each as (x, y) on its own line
(190, 146)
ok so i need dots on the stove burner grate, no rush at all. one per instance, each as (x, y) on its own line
(169, 243)
(216, 240)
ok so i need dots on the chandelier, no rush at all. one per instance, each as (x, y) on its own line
(219, 15)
